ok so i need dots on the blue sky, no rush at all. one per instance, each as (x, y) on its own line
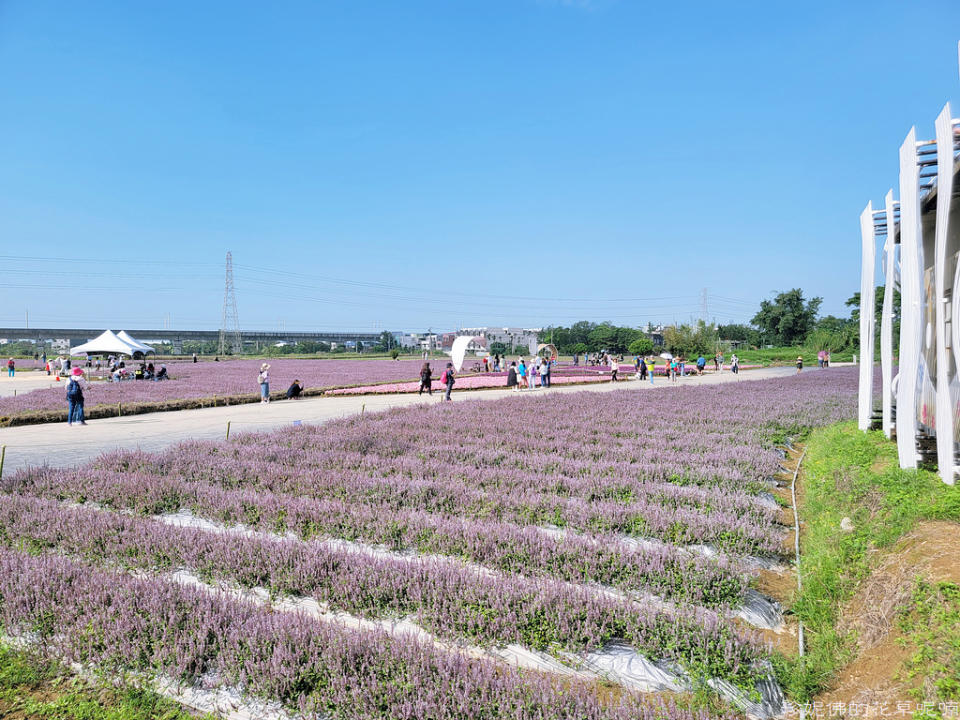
(408, 165)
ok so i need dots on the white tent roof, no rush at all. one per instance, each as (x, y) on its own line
(107, 343)
(135, 343)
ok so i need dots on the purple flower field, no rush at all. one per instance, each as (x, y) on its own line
(562, 524)
(231, 377)
(208, 380)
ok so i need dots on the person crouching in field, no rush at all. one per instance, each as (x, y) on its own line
(75, 398)
(295, 390)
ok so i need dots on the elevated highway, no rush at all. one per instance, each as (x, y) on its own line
(178, 337)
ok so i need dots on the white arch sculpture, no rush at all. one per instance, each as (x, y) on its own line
(891, 271)
(911, 297)
(947, 246)
(867, 322)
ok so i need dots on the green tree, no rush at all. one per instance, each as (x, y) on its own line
(641, 346)
(498, 348)
(787, 319)
(854, 303)
(689, 340)
(384, 342)
(602, 337)
(739, 333)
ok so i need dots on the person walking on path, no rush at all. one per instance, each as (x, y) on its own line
(11, 367)
(448, 379)
(75, 398)
(642, 369)
(545, 379)
(426, 381)
(799, 363)
(826, 359)
(264, 379)
(532, 376)
(652, 367)
(719, 362)
(194, 357)
(820, 357)
(614, 369)
(512, 377)
(521, 374)
(735, 364)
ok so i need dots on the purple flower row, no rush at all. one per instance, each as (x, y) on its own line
(121, 623)
(660, 569)
(453, 600)
(734, 523)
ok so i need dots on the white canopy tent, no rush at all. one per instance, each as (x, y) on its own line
(107, 343)
(142, 347)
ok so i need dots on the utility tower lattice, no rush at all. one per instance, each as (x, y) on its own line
(704, 310)
(230, 321)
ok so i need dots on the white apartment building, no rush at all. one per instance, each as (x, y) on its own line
(509, 336)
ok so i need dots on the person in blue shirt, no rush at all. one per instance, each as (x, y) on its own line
(701, 364)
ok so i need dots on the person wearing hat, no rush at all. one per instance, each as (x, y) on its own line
(447, 379)
(264, 379)
(799, 363)
(75, 397)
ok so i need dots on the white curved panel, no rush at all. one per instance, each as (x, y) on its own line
(911, 295)
(867, 266)
(459, 349)
(946, 250)
(886, 317)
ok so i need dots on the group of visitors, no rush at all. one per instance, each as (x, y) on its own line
(823, 359)
(144, 371)
(521, 374)
(447, 378)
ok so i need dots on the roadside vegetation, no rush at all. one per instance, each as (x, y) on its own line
(872, 578)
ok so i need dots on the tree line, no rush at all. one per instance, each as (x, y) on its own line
(787, 320)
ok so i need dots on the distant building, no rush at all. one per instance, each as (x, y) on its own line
(509, 336)
(655, 333)
(422, 341)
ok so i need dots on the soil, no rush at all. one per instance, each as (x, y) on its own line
(874, 674)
